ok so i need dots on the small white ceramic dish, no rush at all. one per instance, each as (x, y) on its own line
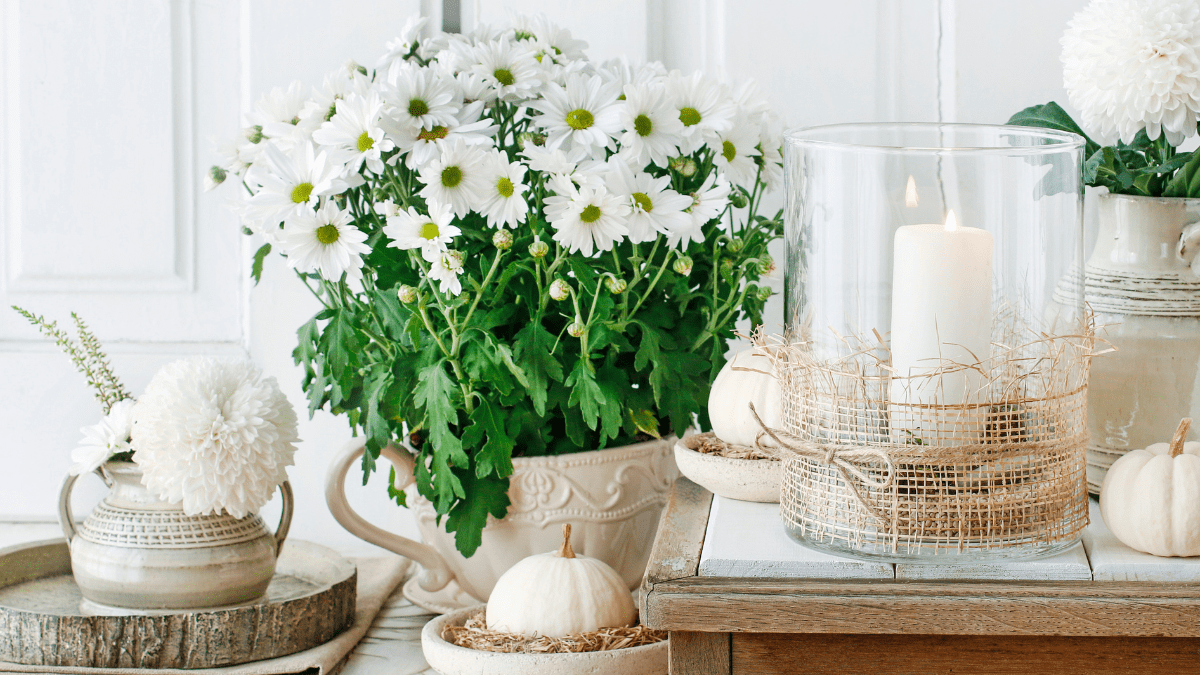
(450, 659)
(748, 480)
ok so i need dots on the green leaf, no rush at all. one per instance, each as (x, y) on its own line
(495, 456)
(400, 498)
(1169, 166)
(613, 382)
(505, 355)
(259, 256)
(392, 313)
(585, 392)
(375, 385)
(1186, 182)
(437, 395)
(307, 337)
(1052, 116)
(484, 496)
(645, 421)
(341, 343)
(534, 353)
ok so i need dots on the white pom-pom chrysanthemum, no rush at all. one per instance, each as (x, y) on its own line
(215, 435)
(1134, 64)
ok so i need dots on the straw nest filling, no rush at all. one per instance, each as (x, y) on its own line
(474, 634)
(708, 444)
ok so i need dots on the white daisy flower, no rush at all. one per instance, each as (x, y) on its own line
(654, 207)
(652, 130)
(421, 98)
(474, 88)
(553, 160)
(354, 132)
(456, 177)
(1134, 64)
(735, 153)
(588, 219)
(409, 229)
(553, 39)
(770, 144)
(397, 49)
(290, 185)
(703, 108)
(445, 269)
(338, 85)
(621, 73)
(505, 192)
(420, 146)
(327, 242)
(509, 68)
(278, 111)
(708, 203)
(583, 114)
(101, 441)
(386, 208)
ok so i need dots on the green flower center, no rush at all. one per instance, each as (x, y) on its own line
(327, 234)
(642, 125)
(433, 134)
(417, 107)
(429, 231)
(505, 187)
(590, 214)
(332, 110)
(522, 35)
(301, 193)
(451, 176)
(504, 76)
(294, 121)
(728, 151)
(256, 136)
(689, 116)
(643, 201)
(579, 119)
(365, 142)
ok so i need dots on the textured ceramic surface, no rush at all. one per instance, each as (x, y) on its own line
(449, 659)
(1141, 284)
(748, 480)
(136, 551)
(612, 498)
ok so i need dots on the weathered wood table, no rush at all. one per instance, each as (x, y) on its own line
(752, 601)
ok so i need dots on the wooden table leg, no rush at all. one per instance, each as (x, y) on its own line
(831, 654)
(700, 653)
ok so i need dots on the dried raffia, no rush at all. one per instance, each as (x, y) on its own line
(709, 444)
(474, 634)
(1002, 472)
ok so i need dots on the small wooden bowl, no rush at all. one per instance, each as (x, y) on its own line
(748, 480)
(450, 659)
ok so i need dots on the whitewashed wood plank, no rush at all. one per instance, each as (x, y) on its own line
(1114, 561)
(1070, 565)
(747, 539)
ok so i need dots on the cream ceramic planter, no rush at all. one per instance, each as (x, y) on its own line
(612, 498)
(748, 480)
(137, 552)
(450, 659)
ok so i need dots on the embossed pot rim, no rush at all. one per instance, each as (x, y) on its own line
(450, 659)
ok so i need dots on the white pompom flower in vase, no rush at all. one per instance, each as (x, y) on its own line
(214, 435)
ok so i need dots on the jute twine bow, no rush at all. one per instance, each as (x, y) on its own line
(840, 457)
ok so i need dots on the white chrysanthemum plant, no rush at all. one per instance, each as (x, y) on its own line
(518, 251)
(213, 435)
(1132, 69)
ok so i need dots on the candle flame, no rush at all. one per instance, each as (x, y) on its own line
(910, 193)
(951, 222)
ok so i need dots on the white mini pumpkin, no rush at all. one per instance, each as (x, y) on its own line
(559, 593)
(747, 378)
(1150, 499)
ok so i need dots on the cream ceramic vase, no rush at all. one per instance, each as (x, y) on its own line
(137, 552)
(1142, 285)
(612, 499)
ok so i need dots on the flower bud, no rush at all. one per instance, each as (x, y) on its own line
(726, 268)
(215, 176)
(353, 66)
(764, 293)
(407, 293)
(502, 240)
(735, 245)
(738, 199)
(766, 264)
(559, 289)
(685, 166)
(615, 285)
(576, 328)
(682, 265)
(254, 134)
(539, 249)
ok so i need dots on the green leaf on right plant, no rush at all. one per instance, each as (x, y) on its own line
(1052, 116)
(1186, 182)
(484, 496)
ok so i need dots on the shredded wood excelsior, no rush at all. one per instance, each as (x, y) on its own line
(474, 634)
(709, 444)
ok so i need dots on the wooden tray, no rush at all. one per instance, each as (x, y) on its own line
(311, 599)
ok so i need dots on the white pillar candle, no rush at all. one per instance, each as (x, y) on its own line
(941, 316)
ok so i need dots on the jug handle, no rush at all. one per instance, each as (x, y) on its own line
(285, 517)
(436, 575)
(65, 519)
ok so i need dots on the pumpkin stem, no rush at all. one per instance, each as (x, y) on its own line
(566, 551)
(1180, 435)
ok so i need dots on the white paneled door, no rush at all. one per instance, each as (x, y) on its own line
(110, 111)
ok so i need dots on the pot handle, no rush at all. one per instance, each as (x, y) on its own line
(285, 517)
(65, 520)
(436, 574)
